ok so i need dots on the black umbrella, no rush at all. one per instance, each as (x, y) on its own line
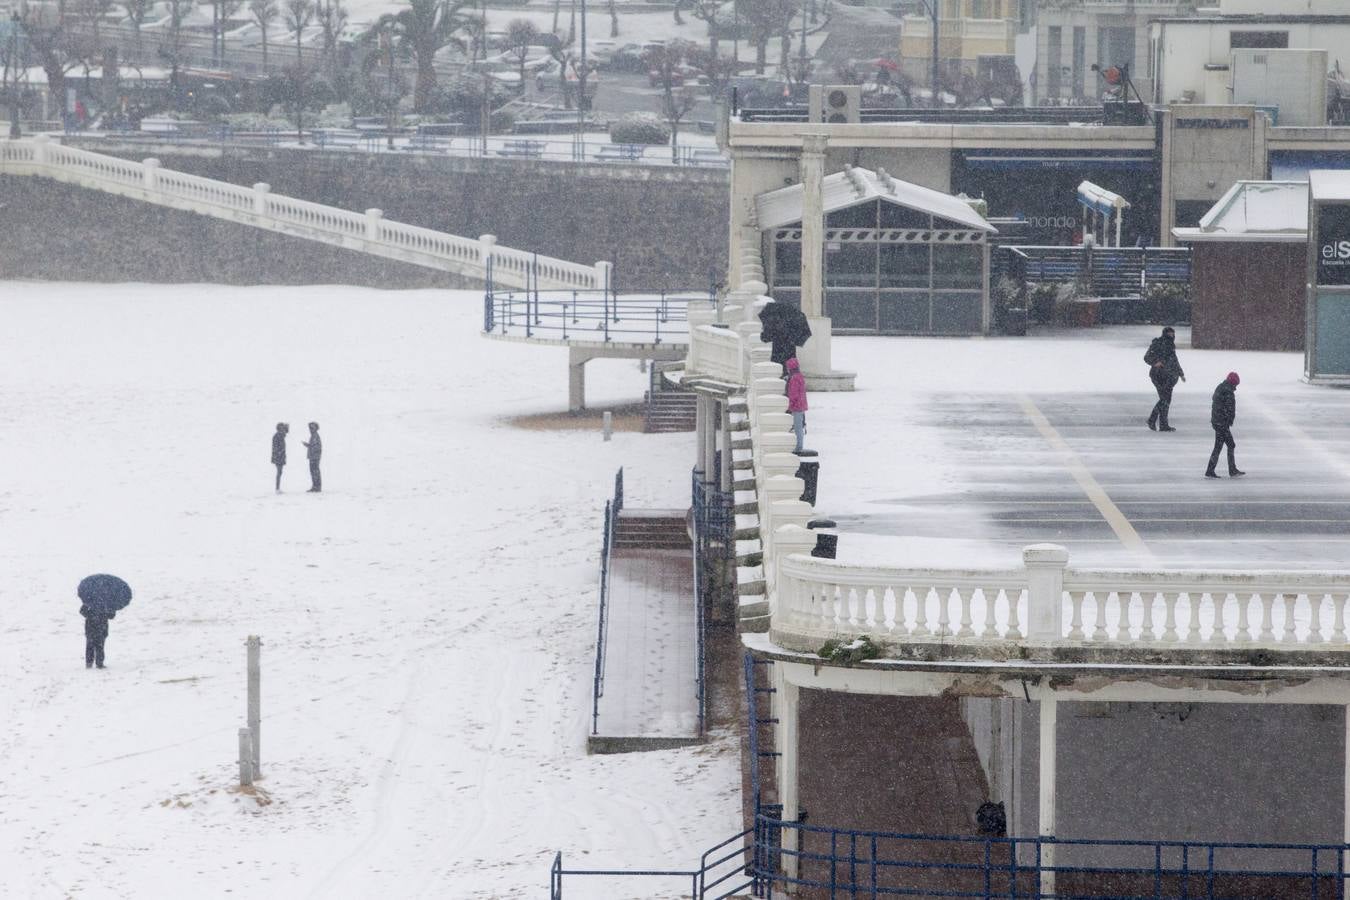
(784, 326)
(104, 593)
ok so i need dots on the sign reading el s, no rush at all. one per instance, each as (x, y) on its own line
(1333, 244)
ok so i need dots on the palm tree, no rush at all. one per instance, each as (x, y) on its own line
(332, 17)
(137, 12)
(420, 30)
(264, 12)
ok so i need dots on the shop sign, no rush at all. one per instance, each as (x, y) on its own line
(1333, 244)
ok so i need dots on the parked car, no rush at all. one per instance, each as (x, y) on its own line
(680, 75)
(627, 58)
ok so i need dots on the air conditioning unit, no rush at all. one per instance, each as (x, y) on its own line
(835, 103)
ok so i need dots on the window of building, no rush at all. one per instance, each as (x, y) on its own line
(1275, 40)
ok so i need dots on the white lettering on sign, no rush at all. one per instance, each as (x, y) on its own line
(1337, 250)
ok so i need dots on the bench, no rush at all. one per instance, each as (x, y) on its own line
(433, 142)
(628, 152)
(522, 148)
(703, 156)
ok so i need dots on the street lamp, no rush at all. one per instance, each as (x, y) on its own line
(12, 66)
(582, 101)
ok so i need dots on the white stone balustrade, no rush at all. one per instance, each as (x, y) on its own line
(715, 352)
(1046, 606)
(149, 182)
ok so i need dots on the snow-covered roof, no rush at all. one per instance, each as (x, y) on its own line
(1255, 211)
(854, 186)
(1330, 184)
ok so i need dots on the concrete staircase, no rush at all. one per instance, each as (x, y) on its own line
(670, 411)
(652, 529)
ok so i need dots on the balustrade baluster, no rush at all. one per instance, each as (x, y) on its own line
(1267, 617)
(944, 596)
(990, 629)
(1014, 630)
(825, 608)
(1099, 632)
(1218, 631)
(1170, 616)
(1076, 614)
(1244, 633)
(846, 611)
(1288, 636)
(1125, 602)
(1338, 617)
(879, 617)
(966, 595)
(900, 592)
(921, 611)
(1314, 618)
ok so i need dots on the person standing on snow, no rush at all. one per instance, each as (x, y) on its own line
(279, 450)
(796, 397)
(1222, 414)
(95, 633)
(314, 450)
(1164, 370)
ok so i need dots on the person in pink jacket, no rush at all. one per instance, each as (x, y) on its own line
(796, 397)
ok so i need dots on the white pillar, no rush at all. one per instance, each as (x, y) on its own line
(1049, 717)
(813, 223)
(789, 707)
(260, 192)
(604, 275)
(576, 379)
(1045, 590)
(151, 168)
(254, 644)
(725, 475)
(485, 244)
(373, 217)
(701, 425)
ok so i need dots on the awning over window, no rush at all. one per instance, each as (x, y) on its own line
(1101, 200)
(1270, 211)
(855, 186)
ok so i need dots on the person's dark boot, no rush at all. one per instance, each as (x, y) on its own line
(1233, 473)
(1211, 474)
(1166, 428)
(1152, 426)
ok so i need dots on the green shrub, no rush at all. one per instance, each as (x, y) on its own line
(1041, 297)
(639, 128)
(856, 650)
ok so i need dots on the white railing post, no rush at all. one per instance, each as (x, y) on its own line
(486, 242)
(749, 334)
(604, 273)
(151, 167)
(1045, 565)
(41, 143)
(260, 191)
(787, 540)
(373, 217)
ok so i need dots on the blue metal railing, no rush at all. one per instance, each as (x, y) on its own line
(722, 872)
(599, 315)
(612, 509)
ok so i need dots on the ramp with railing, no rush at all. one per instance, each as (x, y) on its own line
(364, 232)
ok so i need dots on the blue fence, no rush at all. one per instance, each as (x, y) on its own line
(612, 508)
(1110, 271)
(713, 549)
(598, 315)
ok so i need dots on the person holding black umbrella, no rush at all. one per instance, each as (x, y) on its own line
(101, 596)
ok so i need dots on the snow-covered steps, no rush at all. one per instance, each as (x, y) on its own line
(670, 411)
(652, 529)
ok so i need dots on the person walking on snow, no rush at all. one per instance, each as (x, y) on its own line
(279, 450)
(796, 397)
(1222, 414)
(1164, 370)
(313, 450)
(95, 633)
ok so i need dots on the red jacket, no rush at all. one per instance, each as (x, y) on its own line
(796, 387)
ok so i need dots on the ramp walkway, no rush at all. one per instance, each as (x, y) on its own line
(647, 673)
(365, 232)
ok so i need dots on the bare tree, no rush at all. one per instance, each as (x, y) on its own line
(677, 96)
(331, 16)
(264, 12)
(767, 19)
(520, 36)
(297, 15)
(137, 12)
(172, 50)
(613, 19)
(708, 10)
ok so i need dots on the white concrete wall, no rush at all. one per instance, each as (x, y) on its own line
(1187, 47)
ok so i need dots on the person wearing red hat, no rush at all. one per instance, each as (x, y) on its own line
(1222, 414)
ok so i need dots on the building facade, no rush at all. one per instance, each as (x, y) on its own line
(975, 37)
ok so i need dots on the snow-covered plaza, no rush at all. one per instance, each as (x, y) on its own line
(428, 621)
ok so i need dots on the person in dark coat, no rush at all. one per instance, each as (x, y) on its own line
(314, 450)
(1222, 414)
(784, 327)
(1164, 370)
(279, 450)
(95, 633)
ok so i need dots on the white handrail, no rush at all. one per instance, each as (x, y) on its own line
(366, 232)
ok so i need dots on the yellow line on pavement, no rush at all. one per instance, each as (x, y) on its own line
(1110, 512)
(1328, 456)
